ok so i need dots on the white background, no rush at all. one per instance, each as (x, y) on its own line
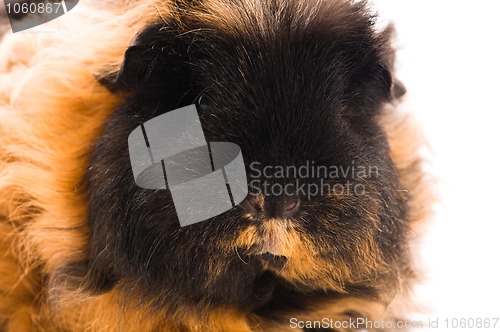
(449, 60)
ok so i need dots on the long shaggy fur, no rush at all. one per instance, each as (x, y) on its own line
(83, 249)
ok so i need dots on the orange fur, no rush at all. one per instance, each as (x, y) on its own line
(44, 148)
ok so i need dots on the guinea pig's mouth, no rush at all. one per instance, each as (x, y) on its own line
(272, 241)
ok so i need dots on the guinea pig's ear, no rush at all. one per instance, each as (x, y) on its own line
(388, 58)
(398, 89)
(372, 75)
(150, 63)
(393, 89)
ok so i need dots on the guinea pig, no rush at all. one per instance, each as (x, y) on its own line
(306, 89)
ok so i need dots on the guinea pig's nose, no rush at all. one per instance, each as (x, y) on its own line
(289, 207)
(254, 205)
(270, 206)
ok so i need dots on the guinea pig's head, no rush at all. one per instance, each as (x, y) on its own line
(300, 88)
